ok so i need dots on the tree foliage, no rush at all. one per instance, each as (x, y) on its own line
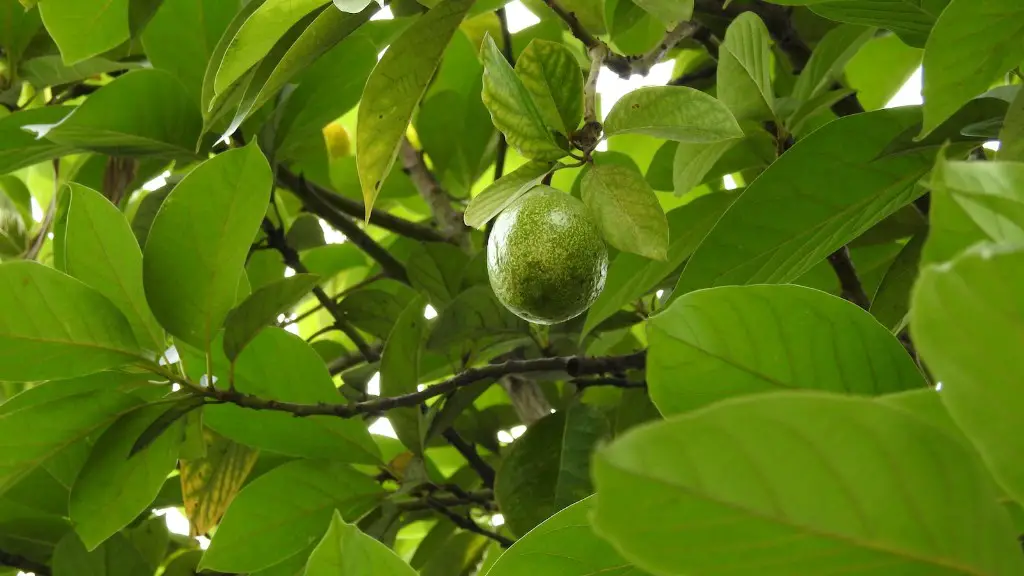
(240, 238)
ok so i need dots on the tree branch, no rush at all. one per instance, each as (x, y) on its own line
(23, 564)
(468, 451)
(644, 63)
(852, 289)
(447, 218)
(352, 208)
(571, 365)
(467, 523)
(315, 203)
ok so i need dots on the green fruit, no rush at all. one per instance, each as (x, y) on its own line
(545, 257)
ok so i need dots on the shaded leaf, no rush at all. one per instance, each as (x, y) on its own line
(19, 147)
(674, 113)
(400, 371)
(692, 162)
(45, 71)
(436, 269)
(473, 321)
(163, 422)
(911, 20)
(347, 550)
(626, 209)
(829, 60)
(891, 302)
(261, 309)
(115, 557)
(209, 484)
(85, 28)
(1011, 137)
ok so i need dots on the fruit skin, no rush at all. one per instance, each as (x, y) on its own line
(546, 259)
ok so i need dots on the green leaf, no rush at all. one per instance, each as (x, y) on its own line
(373, 311)
(71, 411)
(352, 5)
(150, 539)
(145, 112)
(212, 103)
(257, 35)
(18, 27)
(966, 323)
(460, 554)
(674, 113)
(744, 68)
(969, 48)
(627, 210)
(400, 371)
(394, 89)
(19, 147)
(552, 76)
(436, 269)
(911, 20)
(283, 511)
(277, 365)
(829, 60)
(115, 557)
(669, 12)
(991, 194)
(347, 550)
(261, 309)
(503, 192)
(563, 545)
(221, 203)
(801, 483)
(738, 340)
(881, 67)
(692, 162)
(546, 469)
(472, 322)
(1011, 137)
(50, 70)
(58, 327)
(891, 302)
(181, 38)
(85, 28)
(113, 487)
(209, 484)
(631, 276)
(100, 250)
(842, 186)
(512, 108)
(169, 417)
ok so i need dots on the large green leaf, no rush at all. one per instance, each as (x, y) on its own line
(55, 326)
(60, 413)
(115, 557)
(50, 70)
(674, 113)
(512, 108)
(631, 276)
(822, 193)
(100, 250)
(347, 550)
(972, 44)
(552, 76)
(967, 322)
(19, 147)
(911, 20)
(737, 340)
(85, 28)
(115, 486)
(547, 467)
(563, 545)
(145, 112)
(280, 513)
(257, 35)
(400, 370)
(277, 365)
(744, 68)
(261, 308)
(220, 204)
(503, 192)
(626, 209)
(798, 483)
(394, 89)
(829, 60)
(211, 103)
(182, 35)
(991, 194)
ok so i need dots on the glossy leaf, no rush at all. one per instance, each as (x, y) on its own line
(84, 28)
(967, 319)
(394, 89)
(503, 192)
(100, 250)
(283, 511)
(839, 183)
(797, 482)
(512, 108)
(744, 68)
(971, 45)
(113, 487)
(347, 550)
(261, 309)
(145, 112)
(57, 326)
(732, 341)
(209, 484)
(400, 370)
(626, 210)
(674, 113)
(222, 203)
(546, 469)
(552, 77)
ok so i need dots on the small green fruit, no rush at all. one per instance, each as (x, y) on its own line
(546, 259)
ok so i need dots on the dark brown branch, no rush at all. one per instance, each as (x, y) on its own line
(354, 208)
(467, 523)
(315, 203)
(693, 78)
(23, 564)
(276, 240)
(851, 288)
(479, 499)
(571, 365)
(776, 18)
(342, 363)
(468, 451)
(584, 383)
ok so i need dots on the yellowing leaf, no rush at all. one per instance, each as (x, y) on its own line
(208, 485)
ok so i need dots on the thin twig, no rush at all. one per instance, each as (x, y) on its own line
(852, 289)
(468, 451)
(684, 30)
(336, 298)
(467, 523)
(342, 363)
